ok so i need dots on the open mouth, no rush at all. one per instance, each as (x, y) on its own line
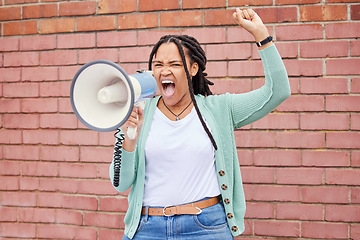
(168, 87)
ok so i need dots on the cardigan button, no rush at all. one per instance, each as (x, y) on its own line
(234, 228)
(230, 215)
(224, 187)
(226, 201)
(221, 173)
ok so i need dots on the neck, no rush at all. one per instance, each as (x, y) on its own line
(177, 111)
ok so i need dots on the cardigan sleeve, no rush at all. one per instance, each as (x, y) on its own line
(127, 170)
(251, 106)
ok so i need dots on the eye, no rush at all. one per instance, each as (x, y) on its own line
(176, 65)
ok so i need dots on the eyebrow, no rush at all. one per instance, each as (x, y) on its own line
(174, 61)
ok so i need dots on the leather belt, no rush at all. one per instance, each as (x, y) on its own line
(189, 209)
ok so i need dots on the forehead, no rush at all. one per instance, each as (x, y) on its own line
(167, 51)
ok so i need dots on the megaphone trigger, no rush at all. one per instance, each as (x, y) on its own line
(131, 132)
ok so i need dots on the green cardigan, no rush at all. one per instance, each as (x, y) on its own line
(223, 113)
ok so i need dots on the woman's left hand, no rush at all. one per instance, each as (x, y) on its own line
(250, 21)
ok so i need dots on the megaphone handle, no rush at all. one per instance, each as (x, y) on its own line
(131, 132)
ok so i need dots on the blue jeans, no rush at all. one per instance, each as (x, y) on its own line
(209, 225)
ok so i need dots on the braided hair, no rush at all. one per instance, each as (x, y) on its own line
(199, 84)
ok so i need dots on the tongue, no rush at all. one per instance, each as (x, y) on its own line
(169, 89)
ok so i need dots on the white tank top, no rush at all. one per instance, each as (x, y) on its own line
(180, 162)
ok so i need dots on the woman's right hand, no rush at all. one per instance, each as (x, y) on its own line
(135, 120)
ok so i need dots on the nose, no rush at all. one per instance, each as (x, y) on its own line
(165, 71)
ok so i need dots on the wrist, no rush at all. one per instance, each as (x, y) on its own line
(267, 40)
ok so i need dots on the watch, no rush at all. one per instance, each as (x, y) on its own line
(265, 41)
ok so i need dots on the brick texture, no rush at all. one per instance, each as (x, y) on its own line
(300, 164)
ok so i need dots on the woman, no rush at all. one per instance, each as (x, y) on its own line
(182, 167)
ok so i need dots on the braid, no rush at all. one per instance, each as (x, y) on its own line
(199, 84)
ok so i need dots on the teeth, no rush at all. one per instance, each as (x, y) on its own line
(167, 81)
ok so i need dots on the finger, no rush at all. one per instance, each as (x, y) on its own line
(246, 14)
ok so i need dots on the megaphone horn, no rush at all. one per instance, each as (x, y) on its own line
(102, 94)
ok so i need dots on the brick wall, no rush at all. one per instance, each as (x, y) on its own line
(300, 164)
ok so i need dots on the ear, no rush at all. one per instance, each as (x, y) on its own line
(194, 69)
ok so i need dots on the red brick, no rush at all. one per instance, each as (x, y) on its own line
(149, 37)
(39, 74)
(291, 2)
(37, 215)
(324, 230)
(22, 152)
(304, 67)
(39, 105)
(260, 210)
(77, 8)
(277, 15)
(355, 85)
(110, 54)
(12, 2)
(10, 106)
(29, 183)
(277, 121)
(222, 86)
(58, 200)
(355, 195)
(342, 176)
(324, 121)
(8, 214)
(300, 139)
(9, 44)
(325, 158)
(84, 40)
(46, 137)
(277, 158)
(59, 25)
(24, 121)
(77, 170)
(238, 34)
(59, 153)
(355, 12)
(239, 3)
(228, 51)
(60, 57)
(325, 194)
(342, 30)
(354, 231)
(67, 72)
(19, 28)
(145, 5)
(276, 193)
(9, 183)
(113, 204)
(275, 228)
(207, 35)
(120, 6)
(21, 59)
(39, 169)
(246, 68)
(116, 39)
(134, 54)
(20, 199)
(342, 103)
(254, 139)
(96, 23)
(292, 211)
(286, 50)
(355, 48)
(299, 32)
(181, 19)
(90, 154)
(342, 66)
(355, 121)
(64, 121)
(64, 185)
(10, 74)
(18, 230)
(219, 17)
(137, 21)
(102, 220)
(65, 106)
(65, 232)
(9, 167)
(300, 103)
(186, 4)
(323, 13)
(57, 89)
(299, 176)
(324, 49)
(78, 137)
(257, 175)
(68, 217)
(323, 85)
(342, 140)
(37, 43)
(10, 137)
(10, 13)
(40, 11)
(349, 213)
(110, 234)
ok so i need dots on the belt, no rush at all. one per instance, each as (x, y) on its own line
(188, 209)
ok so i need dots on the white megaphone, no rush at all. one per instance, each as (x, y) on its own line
(103, 96)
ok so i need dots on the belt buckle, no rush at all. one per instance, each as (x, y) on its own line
(166, 215)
